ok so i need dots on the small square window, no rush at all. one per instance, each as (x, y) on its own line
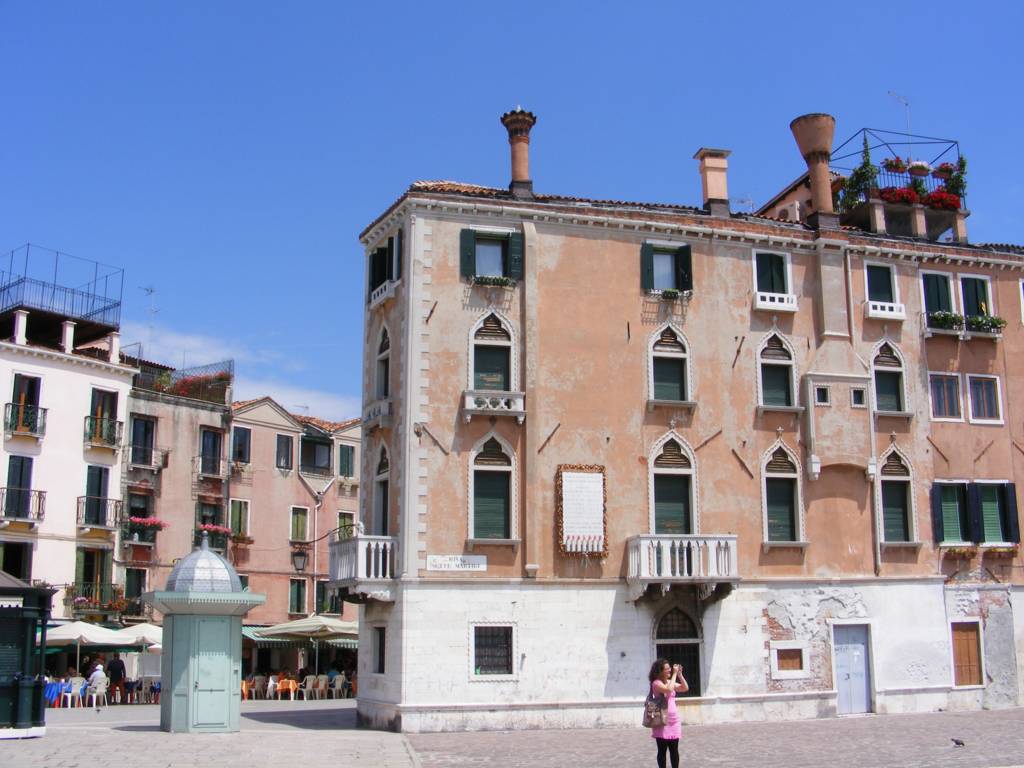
(822, 396)
(857, 398)
(492, 650)
(490, 257)
(790, 659)
(945, 396)
(983, 392)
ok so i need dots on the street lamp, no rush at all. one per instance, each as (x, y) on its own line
(299, 558)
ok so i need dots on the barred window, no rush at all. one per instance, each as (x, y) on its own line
(492, 650)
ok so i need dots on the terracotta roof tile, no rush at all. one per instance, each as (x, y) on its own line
(239, 404)
(324, 424)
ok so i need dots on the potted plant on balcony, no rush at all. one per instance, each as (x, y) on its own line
(894, 165)
(1008, 550)
(956, 184)
(985, 323)
(494, 280)
(901, 195)
(943, 171)
(942, 200)
(862, 180)
(948, 321)
(670, 294)
(241, 539)
(919, 168)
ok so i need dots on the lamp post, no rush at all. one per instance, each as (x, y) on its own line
(299, 558)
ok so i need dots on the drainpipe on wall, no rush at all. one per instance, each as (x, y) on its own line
(319, 496)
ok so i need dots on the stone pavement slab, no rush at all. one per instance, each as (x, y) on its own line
(993, 739)
(285, 734)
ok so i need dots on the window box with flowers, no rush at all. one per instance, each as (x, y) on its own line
(945, 321)
(499, 281)
(942, 200)
(900, 195)
(990, 324)
(943, 171)
(218, 535)
(894, 165)
(143, 530)
(1005, 550)
(919, 168)
(961, 551)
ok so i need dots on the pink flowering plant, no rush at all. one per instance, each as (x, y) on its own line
(212, 529)
(154, 523)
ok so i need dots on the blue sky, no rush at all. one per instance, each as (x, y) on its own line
(229, 153)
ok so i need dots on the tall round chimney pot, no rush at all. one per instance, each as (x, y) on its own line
(518, 123)
(813, 133)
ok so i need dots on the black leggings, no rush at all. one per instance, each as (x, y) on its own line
(672, 747)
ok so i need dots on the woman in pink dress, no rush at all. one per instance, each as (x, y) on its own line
(667, 680)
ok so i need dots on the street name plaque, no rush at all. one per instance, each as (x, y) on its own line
(456, 562)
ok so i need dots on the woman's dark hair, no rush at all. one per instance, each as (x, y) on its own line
(656, 668)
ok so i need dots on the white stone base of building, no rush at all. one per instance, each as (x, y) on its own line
(581, 652)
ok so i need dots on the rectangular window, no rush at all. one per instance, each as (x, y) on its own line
(326, 600)
(780, 494)
(945, 393)
(492, 650)
(378, 271)
(857, 399)
(983, 392)
(666, 268)
(888, 391)
(297, 596)
(789, 659)
(490, 257)
(134, 582)
(18, 496)
(379, 649)
(491, 505)
(937, 296)
(209, 451)
(491, 368)
(966, 653)
(346, 460)
(775, 385)
(283, 454)
(381, 508)
(880, 284)
(669, 378)
(992, 513)
(240, 517)
(383, 377)
(209, 514)
(25, 399)
(953, 512)
(896, 510)
(138, 505)
(975, 293)
(672, 504)
(488, 254)
(315, 456)
(771, 273)
(346, 525)
(822, 396)
(143, 438)
(300, 516)
(241, 441)
(96, 481)
(243, 578)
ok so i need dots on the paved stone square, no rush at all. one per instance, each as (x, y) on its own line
(890, 741)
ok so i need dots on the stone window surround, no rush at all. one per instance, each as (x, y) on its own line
(691, 472)
(793, 392)
(901, 370)
(513, 469)
(684, 356)
(799, 511)
(512, 344)
(471, 653)
(913, 531)
(789, 674)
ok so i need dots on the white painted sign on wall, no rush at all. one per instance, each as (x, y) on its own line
(583, 511)
(456, 562)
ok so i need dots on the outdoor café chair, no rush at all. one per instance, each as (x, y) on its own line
(323, 682)
(309, 689)
(272, 687)
(73, 692)
(338, 689)
(94, 693)
(259, 687)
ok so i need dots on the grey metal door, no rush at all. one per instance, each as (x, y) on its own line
(853, 676)
(211, 672)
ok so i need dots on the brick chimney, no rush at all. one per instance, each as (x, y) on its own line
(714, 167)
(518, 122)
(813, 134)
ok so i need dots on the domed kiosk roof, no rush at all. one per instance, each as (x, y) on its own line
(203, 571)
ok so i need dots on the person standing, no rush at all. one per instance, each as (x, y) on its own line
(116, 673)
(667, 680)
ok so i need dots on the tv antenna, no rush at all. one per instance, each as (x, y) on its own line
(747, 201)
(150, 291)
(906, 108)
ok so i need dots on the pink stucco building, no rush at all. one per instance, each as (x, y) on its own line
(777, 447)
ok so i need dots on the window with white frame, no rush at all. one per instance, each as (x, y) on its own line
(493, 650)
(822, 395)
(976, 296)
(858, 397)
(299, 524)
(984, 399)
(982, 512)
(781, 493)
(239, 517)
(382, 385)
(346, 524)
(669, 374)
(881, 283)
(672, 489)
(493, 255)
(283, 452)
(492, 355)
(381, 505)
(771, 272)
(666, 267)
(775, 359)
(296, 596)
(937, 297)
(491, 502)
(897, 500)
(789, 659)
(944, 392)
(994, 504)
(888, 376)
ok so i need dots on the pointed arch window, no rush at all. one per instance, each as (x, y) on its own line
(491, 491)
(672, 490)
(897, 500)
(383, 382)
(776, 371)
(677, 639)
(381, 493)
(669, 367)
(781, 489)
(888, 376)
(492, 356)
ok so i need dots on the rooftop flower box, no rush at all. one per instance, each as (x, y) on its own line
(943, 171)
(919, 168)
(901, 195)
(894, 165)
(946, 321)
(942, 200)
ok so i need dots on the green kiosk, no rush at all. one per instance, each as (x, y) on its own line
(24, 611)
(203, 605)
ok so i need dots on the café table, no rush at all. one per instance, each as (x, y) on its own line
(291, 686)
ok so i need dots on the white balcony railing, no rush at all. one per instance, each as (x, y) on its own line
(363, 563)
(377, 414)
(776, 302)
(382, 293)
(884, 310)
(682, 559)
(481, 403)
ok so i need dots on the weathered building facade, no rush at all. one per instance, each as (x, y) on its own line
(598, 432)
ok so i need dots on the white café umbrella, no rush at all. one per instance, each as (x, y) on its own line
(142, 634)
(79, 633)
(314, 628)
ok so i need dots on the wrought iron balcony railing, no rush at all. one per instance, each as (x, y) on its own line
(147, 457)
(103, 433)
(99, 512)
(87, 597)
(27, 420)
(23, 504)
(139, 534)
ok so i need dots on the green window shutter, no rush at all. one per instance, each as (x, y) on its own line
(467, 253)
(79, 566)
(237, 518)
(491, 505)
(991, 517)
(975, 296)
(647, 267)
(775, 385)
(936, 294)
(298, 524)
(491, 368)
(515, 256)
(390, 265)
(771, 273)
(684, 268)
(669, 378)
(672, 504)
(952, 510)
(880, 284)
(935, 504)
(398, 255)
(895, 510)
(1012, 523)
(888, 391)
(346, 459)
(780, 493)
